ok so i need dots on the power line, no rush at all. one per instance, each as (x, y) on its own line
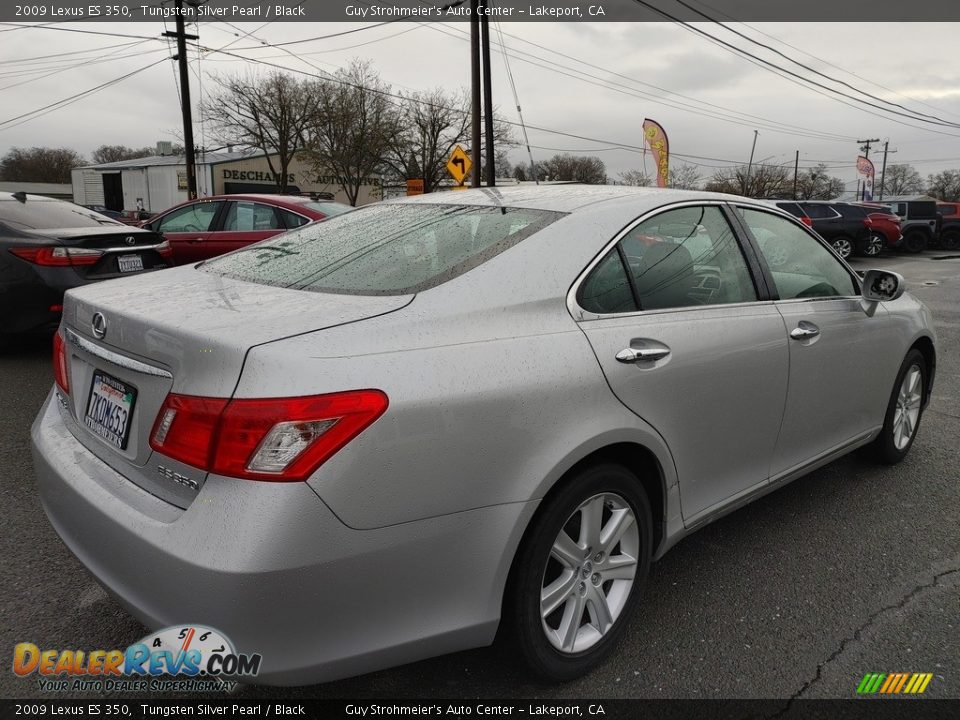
(774, 67)
(917, 115)
(33, 114)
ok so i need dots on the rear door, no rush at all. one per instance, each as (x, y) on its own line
(244, 222)
(841, 370)
(677, 317)
(188, 228)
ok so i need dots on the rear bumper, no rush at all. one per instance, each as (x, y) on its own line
(273, 568)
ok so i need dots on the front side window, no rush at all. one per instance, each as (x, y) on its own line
(801, 266)
(384, 249)
(196, 217)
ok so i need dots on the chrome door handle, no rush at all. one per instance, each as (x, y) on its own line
(804, 331)
(632, 355)
(195, 240)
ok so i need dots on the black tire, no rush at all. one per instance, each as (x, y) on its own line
(915, 241)
(871, 246)
(885, 447)
(843, 246)
(522, 608)
(950, 240)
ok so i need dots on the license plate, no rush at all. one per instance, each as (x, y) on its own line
(130, 263)
(110, 409)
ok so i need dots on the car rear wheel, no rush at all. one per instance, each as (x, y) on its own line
(873, 245)
(950, 240)
(915, 241)
(843, 246)
(580, 572)
(903, 411)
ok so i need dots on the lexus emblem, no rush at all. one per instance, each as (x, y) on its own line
(99, 325)
(130, 240)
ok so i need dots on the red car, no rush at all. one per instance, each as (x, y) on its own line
(202, 229)
(884, 224)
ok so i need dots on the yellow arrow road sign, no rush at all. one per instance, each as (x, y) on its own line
(459, 165)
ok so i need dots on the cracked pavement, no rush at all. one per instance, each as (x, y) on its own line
(853, 569)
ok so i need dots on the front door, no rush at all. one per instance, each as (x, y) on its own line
(688, 343)
(837, 351)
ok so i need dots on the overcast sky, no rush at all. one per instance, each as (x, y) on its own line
(909, 63)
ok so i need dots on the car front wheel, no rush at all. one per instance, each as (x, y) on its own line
(904, 410)
(873, 245)
(580, 571)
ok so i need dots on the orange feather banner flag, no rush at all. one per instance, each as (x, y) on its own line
(656, 138)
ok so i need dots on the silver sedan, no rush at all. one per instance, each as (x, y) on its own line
(382, 437)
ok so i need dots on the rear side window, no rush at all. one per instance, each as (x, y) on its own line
(45, 214)
(386, 249)
(291, 219)
(820, 212)
(243, 216)
(792, 208)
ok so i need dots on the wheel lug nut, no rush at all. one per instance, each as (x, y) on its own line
(595, 579)
(583, 589)
(598, 557)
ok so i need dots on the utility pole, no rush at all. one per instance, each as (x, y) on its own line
(475, 98)
(796, 170)
(883, 171)
(487, 92)
(182, 38)
(866, 153)
(746, 184)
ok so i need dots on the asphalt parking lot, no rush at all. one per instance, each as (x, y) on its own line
(853, 569)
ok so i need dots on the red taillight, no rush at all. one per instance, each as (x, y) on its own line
(164, 250)
(278, 439)
(60, 363)
(806, 220)
(58, 256)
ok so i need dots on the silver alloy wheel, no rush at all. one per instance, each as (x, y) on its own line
(587, 580)
(874, 245)
(843, 247)
(907, 412)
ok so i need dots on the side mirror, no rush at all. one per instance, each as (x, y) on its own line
(882, 286)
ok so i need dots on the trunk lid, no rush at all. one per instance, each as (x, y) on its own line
(181, 331)
(124, 250)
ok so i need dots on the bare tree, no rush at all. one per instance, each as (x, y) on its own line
(684, 177)
(351, 130)
(637, 178)
(816, 184)
(902, 179)
(763, 181)
(270, 112)
(39, 164)
(565, 166)
(945, 185)
(116, 153)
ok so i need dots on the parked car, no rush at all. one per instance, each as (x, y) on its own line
(383, 437)
(950, 225)
(793, 207)
(919, 223)
(202, 229)
(48, 246)
(104, 210)
(884, 225)
(842, 225)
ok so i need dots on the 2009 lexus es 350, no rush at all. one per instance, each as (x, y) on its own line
(380, 439)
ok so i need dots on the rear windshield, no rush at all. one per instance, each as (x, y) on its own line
(45, 214)
(383, 249)
(328, 208)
